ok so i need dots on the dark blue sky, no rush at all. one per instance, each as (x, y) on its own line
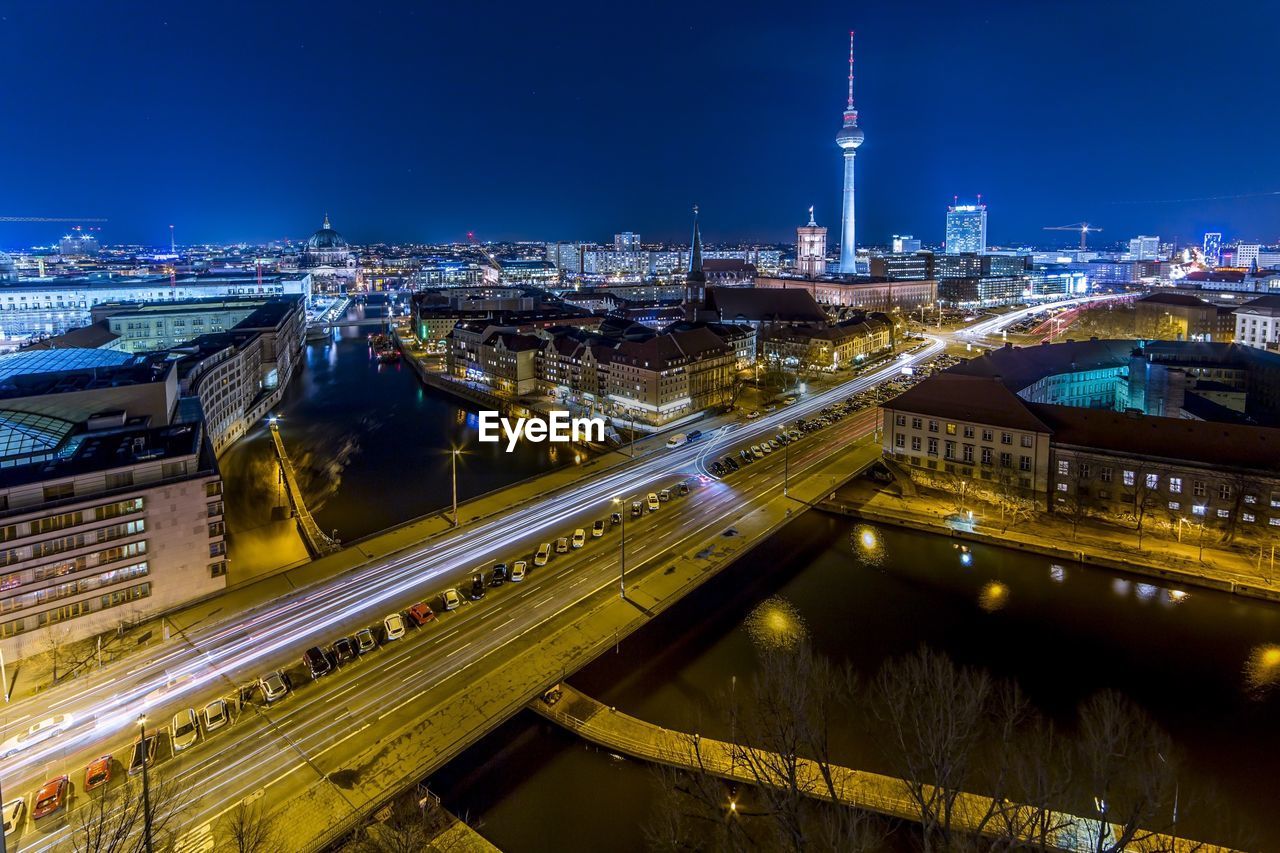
(572, 121)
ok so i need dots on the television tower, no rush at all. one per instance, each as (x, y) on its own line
(849, 138)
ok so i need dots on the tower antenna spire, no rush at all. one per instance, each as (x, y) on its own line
(850, 106)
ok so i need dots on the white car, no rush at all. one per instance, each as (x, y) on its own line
(215, 715)
(652, 500)
(450, 600)
(13, 815)
(518, 570)
(579, 538)
(393, 624)
(186, 730)
(544, 554)
(36, 734)
(597, 529)
(273, 686)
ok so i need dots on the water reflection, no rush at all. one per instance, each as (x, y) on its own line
(994, 596)
(776, 624)
(1262, 670)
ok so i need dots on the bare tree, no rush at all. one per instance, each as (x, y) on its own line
(1124, 758)
(53, 642)
(1243, 486)
(410, 825)
(114, 821)
(1146, 496)
(934, 713)
(248, 828)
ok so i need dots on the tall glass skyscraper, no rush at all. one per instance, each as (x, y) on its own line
(1212, 248)
(966, 229)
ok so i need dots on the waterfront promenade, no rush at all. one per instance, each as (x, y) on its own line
(886, 795)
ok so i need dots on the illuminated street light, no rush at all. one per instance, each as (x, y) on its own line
(146, 786)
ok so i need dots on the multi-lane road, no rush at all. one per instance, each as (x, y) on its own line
(286, 747)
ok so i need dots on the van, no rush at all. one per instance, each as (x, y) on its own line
(677, 440)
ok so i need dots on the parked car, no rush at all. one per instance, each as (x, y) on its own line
(518, 570)
(664, 495)
(543, 555)
(477, 590)
(344, 650)
(365, 641)
(450, 600)
(393, 626)
(274, 687)
(142, 753)
(317, 662)
(652, 501)
(615, 518)
(499, 575)
(746, 456)
(421, 613)
(695, 435)
(51, 797)
(97, 773)
(757, 452)
(185, 730)
(751, 416)
(215, 715)
(682, 489)
(597, 529)
(717, 468)
(637, 509)
(13, 815)
(36, 734)
(579, 538)
(562, 545)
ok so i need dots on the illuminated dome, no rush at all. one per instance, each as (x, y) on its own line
(326, 238)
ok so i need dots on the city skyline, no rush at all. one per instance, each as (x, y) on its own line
(387, 121)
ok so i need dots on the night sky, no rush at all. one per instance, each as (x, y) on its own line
(422, 121)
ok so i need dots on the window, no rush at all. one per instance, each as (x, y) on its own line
(916, 423)
(1198, 509)
(1175, 485)
(968, 453)
(933, 447)
(949, 450)
(933, 426)
(1224, 513)
(217, 528)
(218, 569)
(1224, 492)
(1199, 489)
(951, 429)
(986, 435)
(1175, 505)
(1027, 441)
(1084, 470)
(968, 432)
(173, 469)
(1274, 522)
(1006, 460)
(1128, 478)
(915, 443)
(119, 480)
(58, 491)
(900, 420)
(1064, 467)
(1153, 481)
(1246, 516)
(1062, 487)
(986, 456)
(1249, 499)
(217, 549)
(1024, 463)
(1006, 438)
(1105, 474)
(899, 440)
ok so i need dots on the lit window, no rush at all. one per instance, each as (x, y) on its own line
(1174, 505)
(1198, 509)
(1128, 478)
(1175, 485)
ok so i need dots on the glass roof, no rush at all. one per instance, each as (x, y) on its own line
(55, 360)
(24, 435)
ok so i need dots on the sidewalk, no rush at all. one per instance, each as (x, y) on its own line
(1094, 541)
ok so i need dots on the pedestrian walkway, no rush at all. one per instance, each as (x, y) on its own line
(887, 795)
(317, 542)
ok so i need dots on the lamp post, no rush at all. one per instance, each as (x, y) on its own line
(146, 785)
(1181, 520)
(786, 468)
(622, 547)
(1174, 828)
(454, 456)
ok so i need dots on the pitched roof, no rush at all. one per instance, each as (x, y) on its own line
(1217, 444)
(972, 398)
(772, 304)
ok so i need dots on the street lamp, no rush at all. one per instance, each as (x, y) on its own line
(454, 456)
(622, 547)
(1174, 833)
(146, 785)
(786, 468)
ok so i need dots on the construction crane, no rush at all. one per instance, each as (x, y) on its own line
(1083, 227)
(51, 219)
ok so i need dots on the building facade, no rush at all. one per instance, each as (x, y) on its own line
(966, 229)
(811, 249)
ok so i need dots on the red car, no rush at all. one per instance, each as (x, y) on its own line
(98, 773)
(421, 613)
(51, 797)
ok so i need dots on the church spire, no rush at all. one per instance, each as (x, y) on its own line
(695, 280)
(695, 251)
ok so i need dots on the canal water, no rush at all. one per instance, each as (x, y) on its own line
(1203, 664)
(371, 448)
